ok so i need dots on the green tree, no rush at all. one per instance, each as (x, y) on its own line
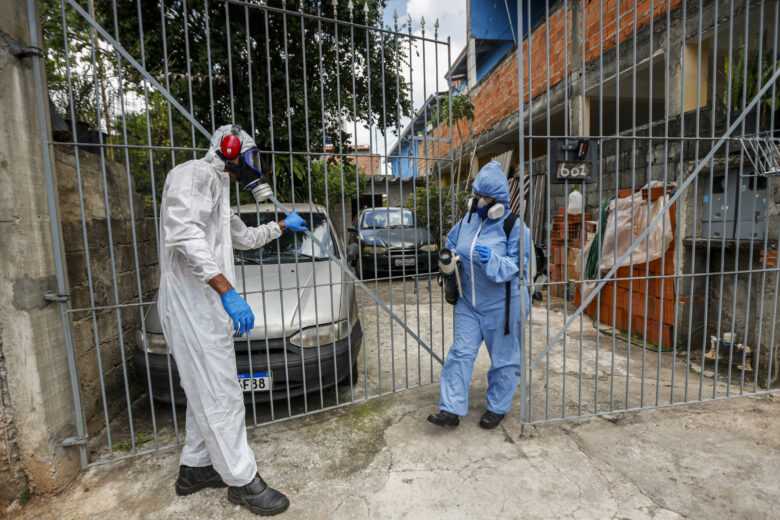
(462, 108)
(433, 207)
(261, 68)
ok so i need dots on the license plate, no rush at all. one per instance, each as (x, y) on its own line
(404, 261)
(259, 382)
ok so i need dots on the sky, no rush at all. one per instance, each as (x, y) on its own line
(452, 22)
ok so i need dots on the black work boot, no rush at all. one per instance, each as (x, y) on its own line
(444, 419)
(258, 497)
(194, 479)
(491, 420)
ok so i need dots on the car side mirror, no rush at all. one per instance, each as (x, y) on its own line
(352, 229)
(352, 252)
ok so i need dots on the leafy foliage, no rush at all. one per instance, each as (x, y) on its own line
(746, 83)
(462, 108)
(295, 83)
(433, 208)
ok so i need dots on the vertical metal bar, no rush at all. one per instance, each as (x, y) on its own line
(427, 187)
(566, 133)
(583, 131)
(530, 281)
(369, 117)
(163, 27)
(357, 188)
(238, 207)
(292, 189)
(230, 63)
(695, 219)
(54, 217)
(759, 336)
(276, 213)
(739, 202)
(110, 234)
(135, 244)
(754, 180)
(648, 176)
(341, 176)
(400, 174)
(521, 160)
(438, 156)
(549, 210)
(206, 16)
(185, 9)
(723, 240)
(617, 192)
(704, 336)
(415, 171)
(311, 213)
(387, 190)
(599, 229)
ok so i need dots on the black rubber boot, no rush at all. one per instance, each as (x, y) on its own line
(444, 419)
(194, 479)
(258, 497)
(491, 420)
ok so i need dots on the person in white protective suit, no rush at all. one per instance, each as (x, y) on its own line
(493, 302)
(201, 312)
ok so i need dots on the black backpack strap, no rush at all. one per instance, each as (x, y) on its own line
(509, 223)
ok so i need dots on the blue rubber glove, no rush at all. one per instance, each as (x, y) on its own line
(484, 253)
(295, 222)
(239, 311)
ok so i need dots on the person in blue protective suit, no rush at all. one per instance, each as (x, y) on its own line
(200, 312)
(489, 259)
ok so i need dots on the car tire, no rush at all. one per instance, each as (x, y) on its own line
(355, 372)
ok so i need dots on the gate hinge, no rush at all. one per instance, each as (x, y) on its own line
(19, 49)
(51, 296)
(75, 441)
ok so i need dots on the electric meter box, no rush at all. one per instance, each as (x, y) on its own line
(736, 208)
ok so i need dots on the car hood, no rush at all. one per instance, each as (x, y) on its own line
(294, 303)
(271, 300)
(397, 237)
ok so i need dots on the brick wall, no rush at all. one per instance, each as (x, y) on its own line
(496, 96)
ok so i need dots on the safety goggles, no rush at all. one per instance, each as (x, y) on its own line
(252, 159)
(486, 197)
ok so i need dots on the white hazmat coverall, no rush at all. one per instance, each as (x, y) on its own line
(198, 232)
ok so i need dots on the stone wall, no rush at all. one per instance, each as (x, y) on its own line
(113, 332)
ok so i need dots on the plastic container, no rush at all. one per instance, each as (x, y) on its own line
(575, 202)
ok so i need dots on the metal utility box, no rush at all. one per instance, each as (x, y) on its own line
(738, 201)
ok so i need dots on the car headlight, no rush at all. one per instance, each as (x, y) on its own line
(155, 343)
(370, 250)
(429, 247)
(321, 334)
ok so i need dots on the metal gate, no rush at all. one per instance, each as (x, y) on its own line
(655, 285)
(322, 88)
(666, 273)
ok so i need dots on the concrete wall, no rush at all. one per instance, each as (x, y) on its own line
(37, 403)
(107, 336)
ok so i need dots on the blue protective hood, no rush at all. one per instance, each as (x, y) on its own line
(492, 182)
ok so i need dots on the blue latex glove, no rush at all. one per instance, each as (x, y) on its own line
(239, 311)
(484, 253)
(295, 222)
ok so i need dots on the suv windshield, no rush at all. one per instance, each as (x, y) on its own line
(285, 248)
(387, 218)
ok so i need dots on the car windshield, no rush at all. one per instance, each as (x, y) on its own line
(291, 244)
(387, 218)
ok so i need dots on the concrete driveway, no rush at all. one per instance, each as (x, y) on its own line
(381, 459)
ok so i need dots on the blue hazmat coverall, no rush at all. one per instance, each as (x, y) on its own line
(481, 310)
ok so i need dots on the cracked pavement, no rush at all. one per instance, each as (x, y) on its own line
(381, 459)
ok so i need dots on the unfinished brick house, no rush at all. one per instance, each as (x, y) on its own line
(645, 82)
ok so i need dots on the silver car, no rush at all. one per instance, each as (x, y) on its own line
(307, 335)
